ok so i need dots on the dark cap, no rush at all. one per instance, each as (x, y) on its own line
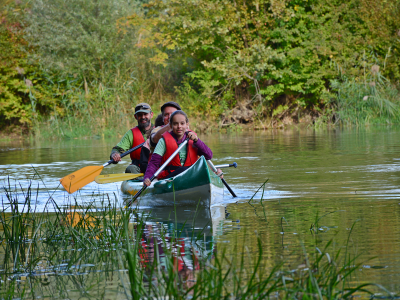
(172, 104)
(142, 107)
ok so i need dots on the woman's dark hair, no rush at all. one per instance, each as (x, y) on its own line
(159, 121)
(178, 112)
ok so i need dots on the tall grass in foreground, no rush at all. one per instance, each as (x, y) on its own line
(74, 249)
(20, 231)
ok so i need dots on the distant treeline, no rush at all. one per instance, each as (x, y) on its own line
(77, 67)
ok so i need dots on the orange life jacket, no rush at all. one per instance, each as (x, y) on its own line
(171, 146)
(137, 140)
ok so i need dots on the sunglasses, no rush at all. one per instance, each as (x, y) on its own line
(142, 107)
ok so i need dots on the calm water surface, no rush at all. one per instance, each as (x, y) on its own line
(345, 177)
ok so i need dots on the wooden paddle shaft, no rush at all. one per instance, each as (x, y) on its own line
(124, 154)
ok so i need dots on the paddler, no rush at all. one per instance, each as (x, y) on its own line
(161, 126)
(147, 150)
(134, 137)
(170, 141)
(166, 110)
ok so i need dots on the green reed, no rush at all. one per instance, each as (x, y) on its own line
(20, 229)
(324, 276)
(74, 241)
(373, 101)
(39, 243)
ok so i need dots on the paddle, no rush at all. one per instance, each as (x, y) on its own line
(158, 172)
(226, 166)
(116, 177)
(223, 180)
(128, 176)
(86, 175)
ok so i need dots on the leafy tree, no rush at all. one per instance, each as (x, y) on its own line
(286, 50)
(22, 96)
(79, 36)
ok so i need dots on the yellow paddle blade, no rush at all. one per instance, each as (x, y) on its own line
(80, 178)
(116, 177)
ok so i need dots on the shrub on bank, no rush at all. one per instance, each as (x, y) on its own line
(24, 91)
(362, 104)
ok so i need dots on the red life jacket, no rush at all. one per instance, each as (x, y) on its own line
(137, 140)
(175, 163)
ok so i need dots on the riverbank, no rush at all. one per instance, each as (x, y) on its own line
(241, 118)
(45, 131)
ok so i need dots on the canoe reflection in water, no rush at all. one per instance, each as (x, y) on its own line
(185, 233)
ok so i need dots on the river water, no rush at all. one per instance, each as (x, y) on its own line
(345, 178)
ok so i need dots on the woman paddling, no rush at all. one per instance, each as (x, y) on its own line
(170, 141)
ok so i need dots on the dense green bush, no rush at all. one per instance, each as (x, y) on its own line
(272, 51)
(66, 64)
(94, 63)
(79, 36)
(25, 93)
(14, 100)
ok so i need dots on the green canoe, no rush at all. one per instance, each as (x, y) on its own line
(197, 184)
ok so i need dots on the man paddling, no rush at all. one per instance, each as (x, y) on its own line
(134, 137)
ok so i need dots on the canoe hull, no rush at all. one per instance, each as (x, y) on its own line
(196, 186)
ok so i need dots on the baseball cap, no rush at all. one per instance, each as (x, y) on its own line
(170, 103)
(142, 107)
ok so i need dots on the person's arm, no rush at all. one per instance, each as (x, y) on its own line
(199, 144)
(124, 145)
(155, 137)
(155, 162)
(203, 149)
(152, 167)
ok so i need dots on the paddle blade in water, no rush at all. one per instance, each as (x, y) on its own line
(80, 178)
(116, 177)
